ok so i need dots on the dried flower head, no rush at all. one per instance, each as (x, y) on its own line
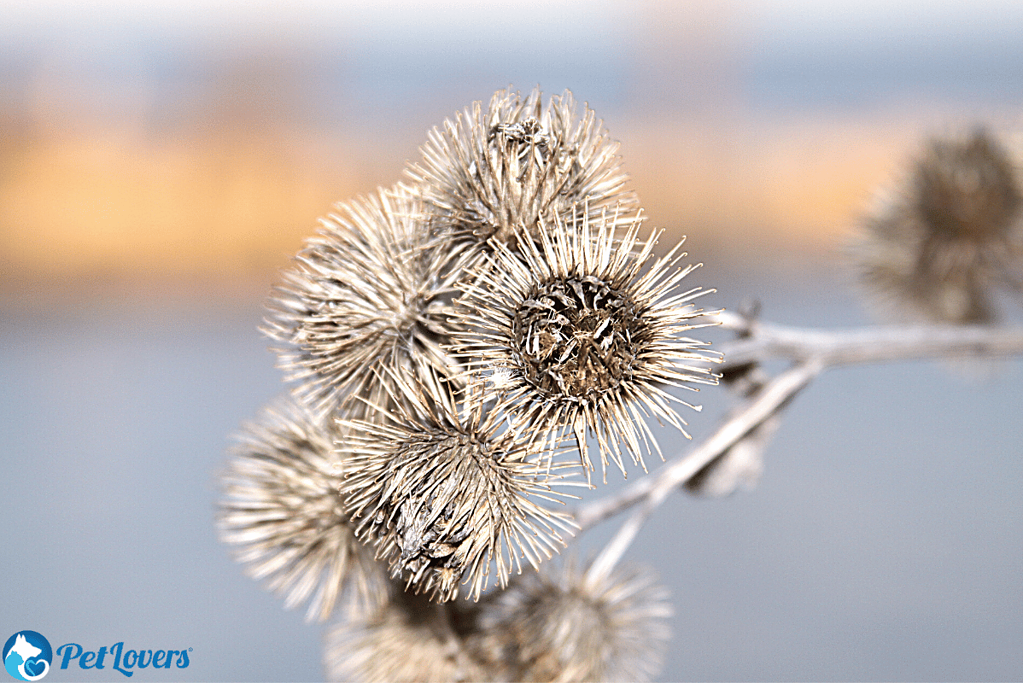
(558, 624)
(489, 173)
(409, 639)
(282, 507)
(447, 497)
(937, 244)
(365, 294)
(577, 331)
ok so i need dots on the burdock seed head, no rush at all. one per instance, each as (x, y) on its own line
(282, 509)
(408, 639)
(937, 244)
(447, 497)
(576, 330)
(366, 294)
(557, 625)
(965, 189)
(515, 163)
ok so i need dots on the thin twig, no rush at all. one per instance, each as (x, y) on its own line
(813, 351)
(655, 488)
(760, 341)
(602, 565)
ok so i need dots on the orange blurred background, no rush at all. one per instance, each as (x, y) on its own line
(193, 149)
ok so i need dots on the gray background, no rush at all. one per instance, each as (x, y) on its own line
(882, 543)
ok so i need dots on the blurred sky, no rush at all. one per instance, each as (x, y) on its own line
(202, 139)
(159, 161)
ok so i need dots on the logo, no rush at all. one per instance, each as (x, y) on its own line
(119, 659)
(27, 656)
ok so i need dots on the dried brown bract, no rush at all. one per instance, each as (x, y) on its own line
(364, 295)
(448, 497)
(938, 244)
(492, 171)
(577, 330)
(282, 508)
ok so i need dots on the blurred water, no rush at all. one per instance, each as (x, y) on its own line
(882, 543)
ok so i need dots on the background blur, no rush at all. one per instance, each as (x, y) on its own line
(160, 161)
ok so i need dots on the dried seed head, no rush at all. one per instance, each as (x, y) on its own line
(563, 322)
(555, 625)
(448, 498)
(409, 639)
(282, 507)
(364, 295)
(576, 331)
(936, 246)
(966, 189)
(490, 172)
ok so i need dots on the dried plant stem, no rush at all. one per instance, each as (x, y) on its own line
(602, 566)
(813, 351)
(876, 344)
(652, 490)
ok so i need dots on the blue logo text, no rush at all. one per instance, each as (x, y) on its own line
(117, 658)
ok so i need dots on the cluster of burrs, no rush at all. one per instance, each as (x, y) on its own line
(460, 346)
